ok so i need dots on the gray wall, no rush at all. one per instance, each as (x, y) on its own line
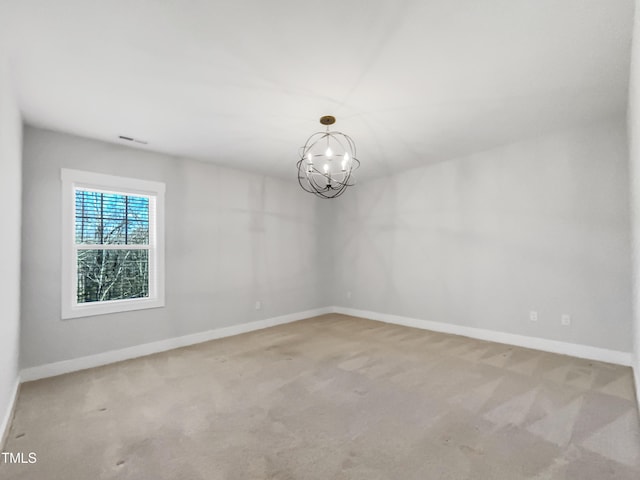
(479, 241)
(482, 240)
(634, 160)
(231, 238)
(10, 219)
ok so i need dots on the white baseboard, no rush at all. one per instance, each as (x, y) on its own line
(82, 363)
(553, 346)
(5, 423)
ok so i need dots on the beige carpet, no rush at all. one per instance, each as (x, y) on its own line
(333, 397)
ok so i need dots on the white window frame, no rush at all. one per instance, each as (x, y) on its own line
(74, 179)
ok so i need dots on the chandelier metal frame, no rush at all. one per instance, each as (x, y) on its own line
(338, 165)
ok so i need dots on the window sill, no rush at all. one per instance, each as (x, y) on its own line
(113, 306)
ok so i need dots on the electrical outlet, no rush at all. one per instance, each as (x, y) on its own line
(533, 316)
(258, 305)
(565, 319)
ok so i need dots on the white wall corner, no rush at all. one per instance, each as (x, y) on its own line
(633, 137)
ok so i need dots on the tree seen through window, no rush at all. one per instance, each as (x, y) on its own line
(120, 223)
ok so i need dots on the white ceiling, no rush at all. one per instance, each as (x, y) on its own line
(243, 83)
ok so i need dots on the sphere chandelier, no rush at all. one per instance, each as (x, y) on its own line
(327, 162)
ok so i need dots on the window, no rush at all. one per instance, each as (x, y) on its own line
(112, 244)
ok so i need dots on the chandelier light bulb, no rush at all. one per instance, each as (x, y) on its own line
(328, 153)
(310, 158)
(326, 168)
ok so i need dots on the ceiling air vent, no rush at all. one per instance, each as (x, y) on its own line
(131, 139)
